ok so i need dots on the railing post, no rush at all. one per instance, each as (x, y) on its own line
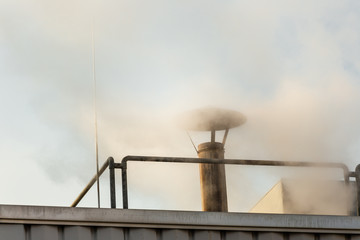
(357, 177)
(124, 185)
(112, 183)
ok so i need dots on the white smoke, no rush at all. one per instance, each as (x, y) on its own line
(291, 67)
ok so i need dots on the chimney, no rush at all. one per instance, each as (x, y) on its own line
(212, 176)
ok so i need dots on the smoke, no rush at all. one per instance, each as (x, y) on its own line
(291, 68)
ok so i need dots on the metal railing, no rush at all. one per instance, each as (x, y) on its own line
(123, 166)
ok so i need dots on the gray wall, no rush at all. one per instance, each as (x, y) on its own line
(51, 223)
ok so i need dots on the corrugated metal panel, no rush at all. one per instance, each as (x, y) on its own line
(270, 236)
(238, 235)
(205, 235)
(142, 234)
(43, 232)
(301, 236)
(332, 237)
(175, 234)
(40, 223)
(109, 233)
(77, 233)
(12, 231)
(39, 232)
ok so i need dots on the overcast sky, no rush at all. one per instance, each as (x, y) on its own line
(292, 67)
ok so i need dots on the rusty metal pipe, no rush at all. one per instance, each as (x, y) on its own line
(123, 166)
(213, 178)
(233, 162)
(91, 183)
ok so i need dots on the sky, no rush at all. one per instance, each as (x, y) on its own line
(291, 67)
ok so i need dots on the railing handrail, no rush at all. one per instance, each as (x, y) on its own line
(232, 161)
(123, 166)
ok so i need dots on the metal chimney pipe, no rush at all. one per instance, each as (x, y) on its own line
(212, 178)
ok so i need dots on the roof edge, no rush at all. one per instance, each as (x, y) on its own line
(177, 219)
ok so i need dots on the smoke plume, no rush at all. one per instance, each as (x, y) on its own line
(291, 68)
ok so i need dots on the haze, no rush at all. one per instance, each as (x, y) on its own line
(291, 67)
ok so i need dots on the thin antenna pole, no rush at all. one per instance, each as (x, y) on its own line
(95, 114)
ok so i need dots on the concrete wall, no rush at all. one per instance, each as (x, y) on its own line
(272, 201)
(38, 223)
(306, 196)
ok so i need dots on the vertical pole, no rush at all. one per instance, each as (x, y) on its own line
(124, 186)
(212, 136)
(95, 115)
(112, 183)
(357, 177)
(212, 178)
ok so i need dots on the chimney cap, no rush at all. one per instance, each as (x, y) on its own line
(211, 119)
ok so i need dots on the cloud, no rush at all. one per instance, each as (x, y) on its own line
(291, 67)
